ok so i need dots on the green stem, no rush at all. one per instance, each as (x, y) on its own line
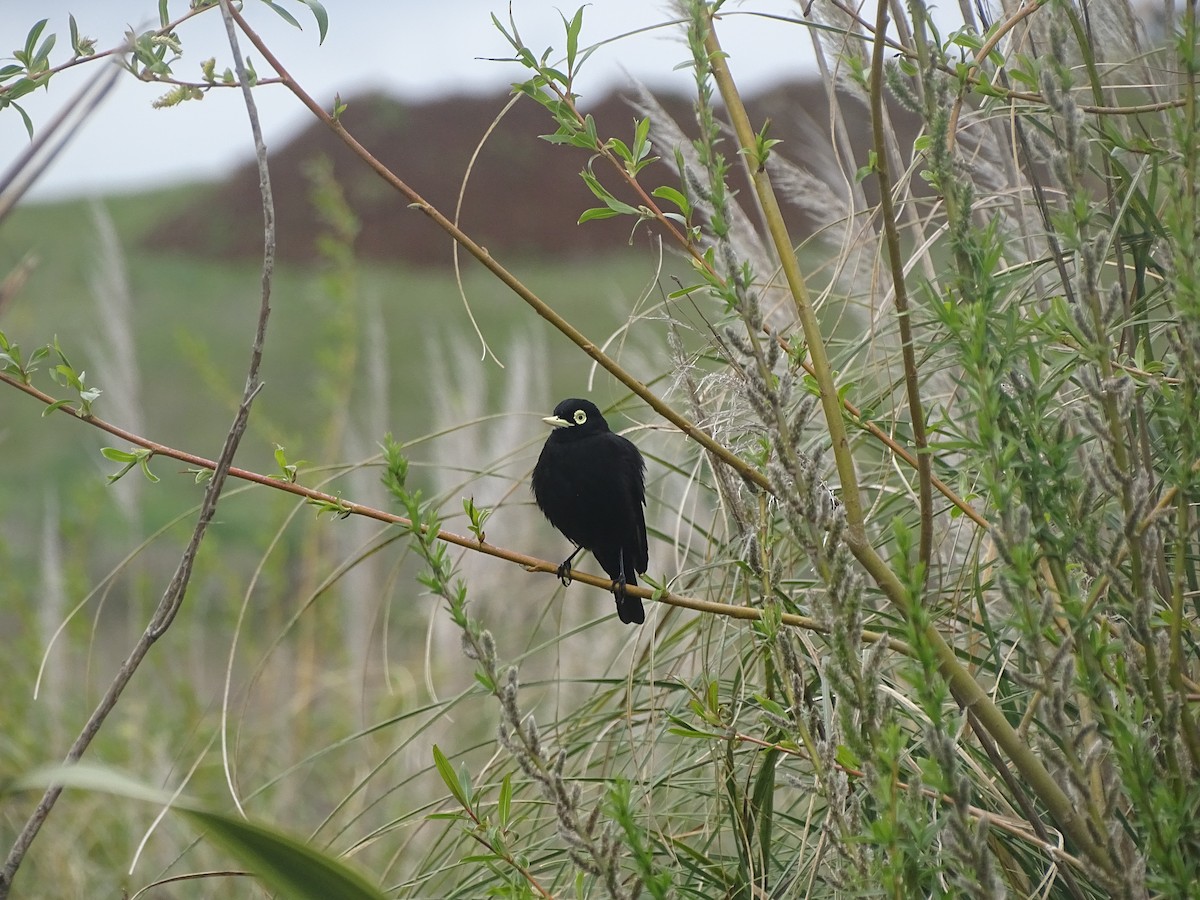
(822, 371)
(891, 232)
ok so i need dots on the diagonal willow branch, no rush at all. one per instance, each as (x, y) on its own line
(543, 309)
(349, 508)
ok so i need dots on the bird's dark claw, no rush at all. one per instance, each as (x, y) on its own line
(564, 568)
(618, 588)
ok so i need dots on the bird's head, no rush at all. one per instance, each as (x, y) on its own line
(576, 418)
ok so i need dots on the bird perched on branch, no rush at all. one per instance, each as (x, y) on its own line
(591, 485)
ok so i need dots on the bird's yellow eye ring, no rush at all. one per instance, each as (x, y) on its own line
(580, 417)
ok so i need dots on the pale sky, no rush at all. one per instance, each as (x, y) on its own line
(412, 48)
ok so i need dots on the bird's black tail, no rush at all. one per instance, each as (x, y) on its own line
(629, 608)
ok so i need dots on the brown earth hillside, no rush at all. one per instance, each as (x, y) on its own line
(524, 195)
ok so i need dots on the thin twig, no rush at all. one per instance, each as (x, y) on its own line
(172, 599)
(52, 139)
(887, 214)
(981, 56)
(823, 371)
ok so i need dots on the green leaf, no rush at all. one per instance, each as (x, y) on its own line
(320, 15)
(619, 147)
(283, 14)
(41, 59)
(20, 88)
(683, 728)
(770, 705)
(682, 731)
(504, 804)
(164, 18)
(65, 376)
(31, 40)
(144, 460)
(845, 757)
(596, 212)
(128, 459)
(336, 507)
(1028, 79)
(867, 170)
(594, 185)
(763, 801)
(450, 777)
(558, 138)
(573, 29)
(25, 118)
(287, 470)
(665, 192)
(602, 193)
(486, 682)
(641, 133)
(967, 39)
(284, 864)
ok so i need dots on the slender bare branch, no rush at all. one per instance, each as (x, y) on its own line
(350, 508)
(172, 598)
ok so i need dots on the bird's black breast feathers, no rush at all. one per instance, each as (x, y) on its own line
(590, 483)
(592, 490)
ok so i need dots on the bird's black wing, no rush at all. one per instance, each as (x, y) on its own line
(635, 486)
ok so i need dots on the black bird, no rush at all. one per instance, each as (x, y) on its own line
(591, 484)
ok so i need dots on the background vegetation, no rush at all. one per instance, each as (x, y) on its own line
(922, 485)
